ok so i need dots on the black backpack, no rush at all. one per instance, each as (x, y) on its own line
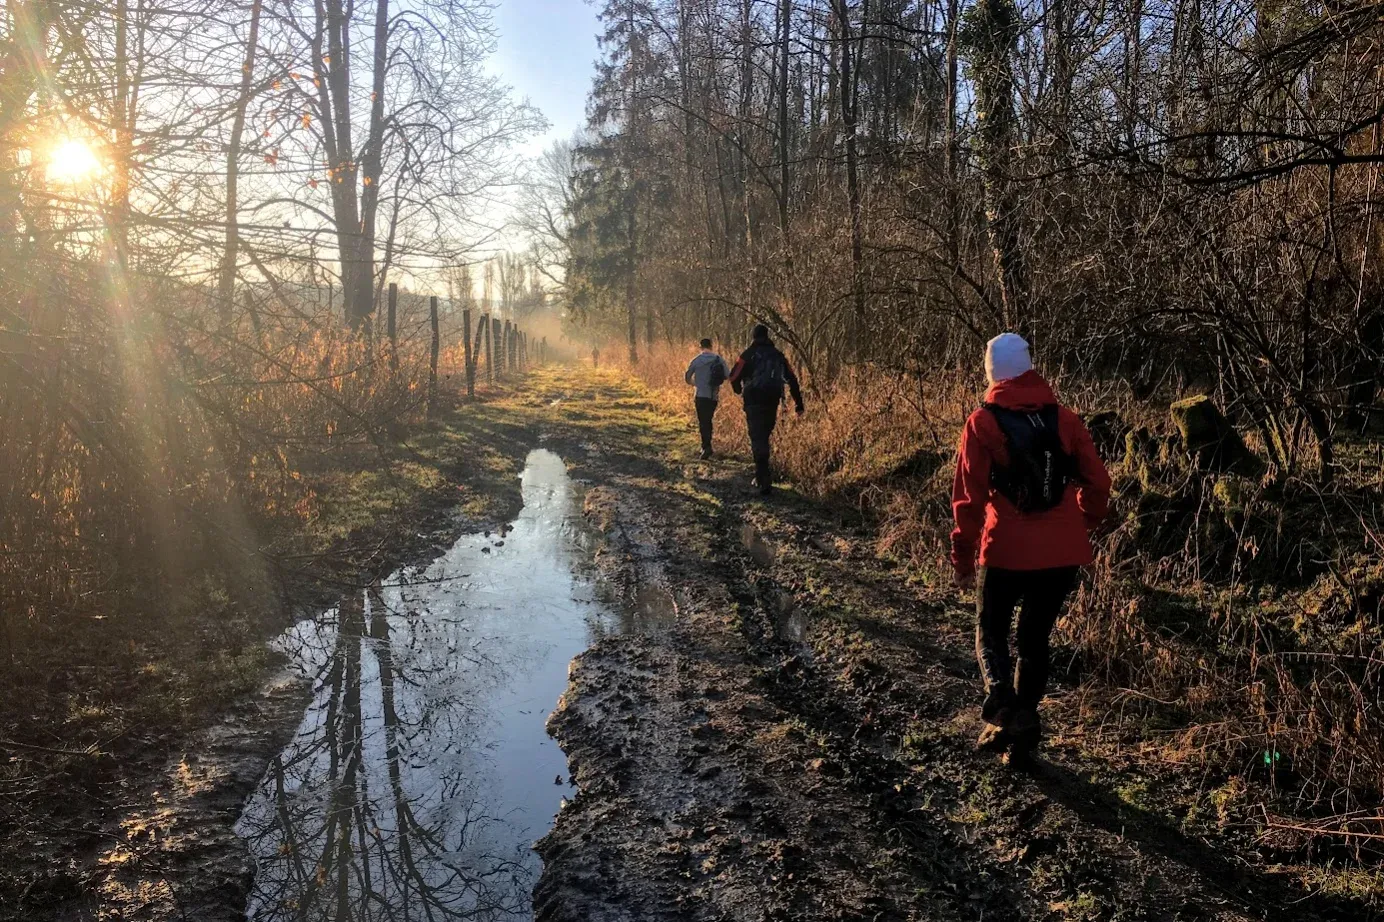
(1039, 470)
(717, 376)
(769, 373)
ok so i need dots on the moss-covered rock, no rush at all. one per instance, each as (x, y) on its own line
(1354, 592)
(1209, 439)
(1141, 443)
(1229, 493)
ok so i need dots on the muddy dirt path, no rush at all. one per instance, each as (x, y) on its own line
(799, 745)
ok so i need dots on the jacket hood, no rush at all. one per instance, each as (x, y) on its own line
(1026, 392)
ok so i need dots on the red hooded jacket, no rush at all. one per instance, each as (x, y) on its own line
(1006, 537)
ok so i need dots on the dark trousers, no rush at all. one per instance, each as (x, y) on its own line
(761, 419)
(1042, 594)
(706, 411)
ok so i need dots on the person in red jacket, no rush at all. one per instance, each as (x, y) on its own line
(1029, 488)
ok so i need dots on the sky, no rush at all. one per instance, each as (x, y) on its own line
(547, 53)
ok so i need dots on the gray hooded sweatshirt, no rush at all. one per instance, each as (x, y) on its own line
(699, 373)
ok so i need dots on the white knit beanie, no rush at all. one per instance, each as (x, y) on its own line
(1006, 356)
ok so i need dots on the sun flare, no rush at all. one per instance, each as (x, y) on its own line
(72, 161)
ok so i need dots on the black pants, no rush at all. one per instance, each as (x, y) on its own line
(706, 410)
(1042, 594)
(761, 419)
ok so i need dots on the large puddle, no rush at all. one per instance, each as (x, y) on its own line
(421, 774)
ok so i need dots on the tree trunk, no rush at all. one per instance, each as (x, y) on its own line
(849, 97)
(371, 163)
(952, 154)
(123, 119)
(631, 302)
(997, 35)
(391, 327)
(342, 170)
(785, 30)
(225, 289)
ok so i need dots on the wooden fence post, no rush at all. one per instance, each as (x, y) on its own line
(499, 350)
(485, 338)
(392, 328)
(476, 355)
(504, 348)
(466, 352)
(436, 348)
(543, 351)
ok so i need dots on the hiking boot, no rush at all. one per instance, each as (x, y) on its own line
(706, 454)
(1022, 760)
(996, 736)
(1026, 731)
(1000, 705)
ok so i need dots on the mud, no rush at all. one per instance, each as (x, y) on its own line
(175, 855)
(798, 745)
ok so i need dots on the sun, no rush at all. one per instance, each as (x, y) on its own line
(72, 161)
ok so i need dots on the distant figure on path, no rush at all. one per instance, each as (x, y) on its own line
(759, 376)
(708, 372)
(595, 357)
(1029, 487)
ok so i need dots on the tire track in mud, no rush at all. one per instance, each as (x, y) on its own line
(709, 791)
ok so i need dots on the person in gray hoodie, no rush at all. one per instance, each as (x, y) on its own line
(708, 371)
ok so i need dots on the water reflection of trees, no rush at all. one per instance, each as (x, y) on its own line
(377, 810)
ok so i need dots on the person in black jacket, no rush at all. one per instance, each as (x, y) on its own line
(759, 376)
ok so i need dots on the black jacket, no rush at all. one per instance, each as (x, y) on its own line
(744, 369)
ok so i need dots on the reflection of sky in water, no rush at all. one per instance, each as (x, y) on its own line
(421, 773)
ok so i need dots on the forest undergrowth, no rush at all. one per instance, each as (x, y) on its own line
(1231, 625)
